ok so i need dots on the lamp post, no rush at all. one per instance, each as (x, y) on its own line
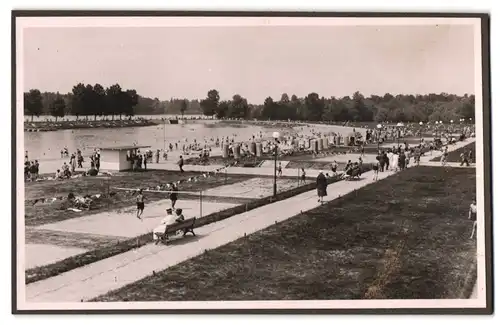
(421, 123)
(276, 136)
(379, 127)
(400, 124)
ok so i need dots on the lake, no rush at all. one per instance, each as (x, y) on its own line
(48, 145)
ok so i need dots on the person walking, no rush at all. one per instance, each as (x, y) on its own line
(321, 185)
(181, 164)
(140, 204)
(173, 196)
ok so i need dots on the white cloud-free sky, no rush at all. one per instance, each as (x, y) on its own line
(254, 61)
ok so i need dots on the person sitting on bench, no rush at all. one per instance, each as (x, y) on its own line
(179, 215)
(165, 222)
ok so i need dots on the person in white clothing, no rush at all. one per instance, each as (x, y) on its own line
(473, 217)
(394, 162)
(167, 220)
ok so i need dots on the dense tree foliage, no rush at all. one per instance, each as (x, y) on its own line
(88, 100)
(400, 108)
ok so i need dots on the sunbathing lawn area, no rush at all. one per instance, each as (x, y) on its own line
(454, 156)
(405, 237)
(42, 213)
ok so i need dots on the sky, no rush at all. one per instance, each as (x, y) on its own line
(253, 61)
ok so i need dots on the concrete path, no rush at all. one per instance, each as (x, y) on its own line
(112, 273)
(448, 164)
(125, 224)
(43, 254)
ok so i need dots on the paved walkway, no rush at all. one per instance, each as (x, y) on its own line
(112, 273)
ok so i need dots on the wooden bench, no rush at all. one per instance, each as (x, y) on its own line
(186, 226)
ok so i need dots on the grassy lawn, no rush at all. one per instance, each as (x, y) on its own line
(454, 156)
(42, 213)
(405, 237)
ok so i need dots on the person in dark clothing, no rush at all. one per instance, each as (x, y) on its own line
(321, 185)
(181, 163)
(385, 161)
(173, 195)
(179, 215)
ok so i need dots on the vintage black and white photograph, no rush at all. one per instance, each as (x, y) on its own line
(251, 162)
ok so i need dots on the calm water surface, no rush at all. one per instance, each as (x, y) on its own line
(47, 145)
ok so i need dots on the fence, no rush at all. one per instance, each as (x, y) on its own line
(198, 194)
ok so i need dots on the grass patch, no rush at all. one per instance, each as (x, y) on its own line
(57, 211)
(405, 237)
(122, 246)
(454, 156)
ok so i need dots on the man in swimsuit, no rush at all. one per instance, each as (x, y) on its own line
(334, 167)
(473, 217)
(303, 176)
(140, 204)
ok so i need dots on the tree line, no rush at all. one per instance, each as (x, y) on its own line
(390, 108)
(88, 100)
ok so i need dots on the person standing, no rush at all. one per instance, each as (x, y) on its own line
(444, 157)
(375, 168)
(157, 156)
(72, 162)
(321, 185)
(140, 204)
(303, 176)
(473, 217)
(334, 167)
(97, 161)
(181, 164)
(173, 196)
(280, 170)
(145, 162)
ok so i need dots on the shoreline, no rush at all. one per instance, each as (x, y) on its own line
(84, 124)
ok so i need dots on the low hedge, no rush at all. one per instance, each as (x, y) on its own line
(47, 271)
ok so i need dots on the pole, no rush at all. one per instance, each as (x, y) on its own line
(398, 137)
(201, 204)
(275, 190)
(164, 144)
(298, 176)
(378, 139)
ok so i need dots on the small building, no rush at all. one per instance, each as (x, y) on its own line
(118, 158)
